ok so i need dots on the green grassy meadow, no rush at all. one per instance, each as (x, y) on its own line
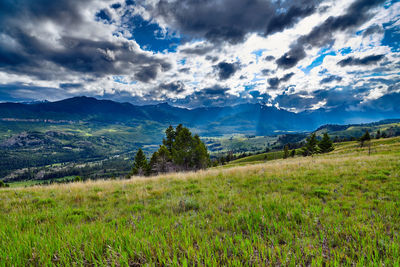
(336, 209)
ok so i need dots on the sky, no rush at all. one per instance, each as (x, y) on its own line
(295, 55)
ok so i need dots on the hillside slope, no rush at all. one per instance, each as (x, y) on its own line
(341, 208)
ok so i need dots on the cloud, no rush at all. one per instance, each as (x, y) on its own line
(175, 51)
(356, 14)
(46, 43)
(275, 81)
(330, 79)
(231, 20)
(372, 30)
(226, 70)
(368, 60)
(291, 58)
(269, 58)
(197, 50)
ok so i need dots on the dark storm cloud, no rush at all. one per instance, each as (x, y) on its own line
(373, 29)
(269, 58)
(356, 14)
(176, 87)
(287, 77)
(274, 82)
(184, 70)
(211, 96)
(70, 85)
(116, 5)
(214, 91)
(368, 60)
(147, 73)
(22, 52)
(163, 89)
(388, 103)
(212, 58)
(226, 70)
(266, 72)
(280, 22)
(334, 98)
(231, 20)
(296, 101)
(198, 50)
(330, 79)
(290, 59)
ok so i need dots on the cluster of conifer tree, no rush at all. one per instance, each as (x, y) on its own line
(180, 151)
(312, 145)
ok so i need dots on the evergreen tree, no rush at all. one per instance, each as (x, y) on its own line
(326, 144)
(181, 148)
(164, 156)
(180, 151)
(286, 152)
(153, 164)
(378, 134)
(310, 147)
(140, 166)
(3, 184)
(160, 160)
(201, 158)
(293, 153)
(170, 137)
(365, 138)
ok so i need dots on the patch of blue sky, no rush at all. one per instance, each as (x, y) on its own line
(182, 61)
(318, 61)
(119, 79)
(150, 36)
(258, 53)
(389, 3)
(379, 74)
(345, 51)
(251, 86)
(391, 36)
(256, 79)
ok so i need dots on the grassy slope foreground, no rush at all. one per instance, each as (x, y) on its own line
(341, 209)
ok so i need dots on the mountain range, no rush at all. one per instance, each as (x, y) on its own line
(254, 119)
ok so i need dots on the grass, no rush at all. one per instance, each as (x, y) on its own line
(342, 208)
(257, 158)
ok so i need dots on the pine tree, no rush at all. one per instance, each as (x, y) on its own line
(201, 158)
(153, 164)
(310, 147)
(3, 184)
(365, 138)
(286, 152)
(140, 166)
(326, 144)
(160, 160)
(378, 134)
(170, 137)
(180, 151)
(293, 153)
(181, 148)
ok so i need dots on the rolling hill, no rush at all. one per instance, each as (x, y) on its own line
(335, 209)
